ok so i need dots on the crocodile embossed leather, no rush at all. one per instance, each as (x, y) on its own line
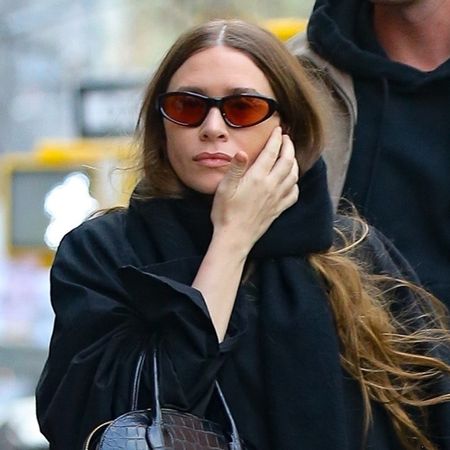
(164, 429)
(181, 431)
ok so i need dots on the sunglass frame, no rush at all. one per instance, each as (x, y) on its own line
(216, 102)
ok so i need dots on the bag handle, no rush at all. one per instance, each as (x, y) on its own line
(137, 380)
(156, 436)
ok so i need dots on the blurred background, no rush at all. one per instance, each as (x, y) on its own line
(72, 74)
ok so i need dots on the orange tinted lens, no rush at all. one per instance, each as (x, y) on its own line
(185, 109)
(245, 111)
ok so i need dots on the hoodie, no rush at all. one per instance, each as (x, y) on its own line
(399, 172)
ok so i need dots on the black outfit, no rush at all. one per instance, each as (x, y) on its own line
(120, 278)
(399, 170)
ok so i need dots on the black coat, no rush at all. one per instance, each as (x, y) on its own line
(119, 278)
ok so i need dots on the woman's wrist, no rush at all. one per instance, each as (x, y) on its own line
(219, 276)
(232, 243)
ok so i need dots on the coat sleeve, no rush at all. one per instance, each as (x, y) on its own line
(106, 317)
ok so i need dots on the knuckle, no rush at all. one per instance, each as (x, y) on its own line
(295, 192)
(272, 149)
(293, 178)
(285, 165)
(256, 180)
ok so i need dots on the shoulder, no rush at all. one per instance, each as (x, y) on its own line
(298, 44)
(104, 228)
(300, 47)
(321, 68)
(101, 239)
(110, 222)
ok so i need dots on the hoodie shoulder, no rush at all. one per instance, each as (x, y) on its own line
(341, 81)
(335, 92)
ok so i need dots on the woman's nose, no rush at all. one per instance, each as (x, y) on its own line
(213, 127)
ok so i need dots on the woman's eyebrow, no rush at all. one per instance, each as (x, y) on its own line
(196, 89)
(230, 91)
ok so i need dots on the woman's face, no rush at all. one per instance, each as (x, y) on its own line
(201, 155)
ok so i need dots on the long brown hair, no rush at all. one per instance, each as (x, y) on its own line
(380, 349)
(393, 352)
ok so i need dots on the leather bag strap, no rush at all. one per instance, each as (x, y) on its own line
(156, 435)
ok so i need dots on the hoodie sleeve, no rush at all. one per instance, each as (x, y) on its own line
(106, 317)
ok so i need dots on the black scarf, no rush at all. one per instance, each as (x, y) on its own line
(300, 350)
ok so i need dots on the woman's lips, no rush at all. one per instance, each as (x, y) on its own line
(212, 159)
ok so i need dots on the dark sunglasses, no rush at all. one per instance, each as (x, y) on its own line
(190, 109)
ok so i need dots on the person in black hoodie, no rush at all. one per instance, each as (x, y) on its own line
(386, 64)
(311, 323)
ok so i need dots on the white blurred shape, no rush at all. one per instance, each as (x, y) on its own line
(20, 426)
(68, 205)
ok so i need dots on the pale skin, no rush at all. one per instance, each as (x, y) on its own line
(414, 32)
(245, 204)
(250, 192)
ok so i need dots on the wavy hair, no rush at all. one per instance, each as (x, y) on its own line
(390, 355)
(391, 349)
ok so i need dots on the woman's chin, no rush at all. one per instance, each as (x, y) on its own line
(208, 187)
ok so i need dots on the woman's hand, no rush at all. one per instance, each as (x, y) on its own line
(248, 200)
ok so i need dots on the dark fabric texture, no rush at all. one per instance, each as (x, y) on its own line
(401, 150)
(120, 278)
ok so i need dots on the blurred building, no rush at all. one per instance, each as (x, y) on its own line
(48, 48)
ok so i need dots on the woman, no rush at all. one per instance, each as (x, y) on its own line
(231, 263)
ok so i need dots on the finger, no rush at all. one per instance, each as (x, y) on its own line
(286, 160)
(293, 196)
(237, 169)
(270, 153)
(289, 199)
(294, 170)
(289, 181)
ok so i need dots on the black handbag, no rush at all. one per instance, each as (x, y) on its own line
(162, 428)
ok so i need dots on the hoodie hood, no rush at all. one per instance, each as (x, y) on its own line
(341, 31)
